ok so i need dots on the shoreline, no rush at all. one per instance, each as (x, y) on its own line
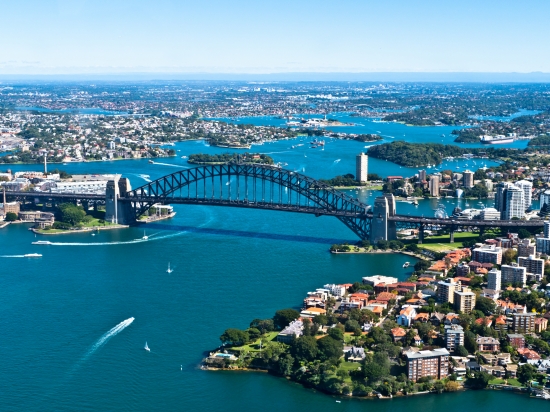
(83, 230)
(380, 251)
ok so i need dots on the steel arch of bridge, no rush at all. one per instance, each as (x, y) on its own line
(263, 188)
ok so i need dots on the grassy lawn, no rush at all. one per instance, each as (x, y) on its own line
(255, 346)
(95, 222)
(349, 366)
(511, 382)
(441, 243)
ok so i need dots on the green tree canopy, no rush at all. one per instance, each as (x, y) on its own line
(330, 349)
(304, 348)
(234, 337)
(283, 317)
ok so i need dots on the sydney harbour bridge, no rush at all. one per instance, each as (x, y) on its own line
(256, 186)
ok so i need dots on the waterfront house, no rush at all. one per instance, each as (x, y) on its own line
(354, 354)
(406, 316)
(434, 363)
(292, 331)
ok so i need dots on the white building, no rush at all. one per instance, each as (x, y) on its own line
(527, 188)
(515, 203)
(335, 290)
(375, 280)
(361, 167)
(94, 187)
(468, 178)
(490, 213)
(494, 280)
(544, 199)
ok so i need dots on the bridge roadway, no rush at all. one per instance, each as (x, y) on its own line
(402, 220)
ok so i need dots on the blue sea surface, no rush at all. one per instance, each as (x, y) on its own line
(68, 341)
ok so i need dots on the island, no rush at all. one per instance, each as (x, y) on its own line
(216, 159)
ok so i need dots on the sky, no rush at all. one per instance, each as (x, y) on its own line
(245, 36)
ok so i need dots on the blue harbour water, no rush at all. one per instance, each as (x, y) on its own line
(65, 346)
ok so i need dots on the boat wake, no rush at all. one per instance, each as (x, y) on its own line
(147, 178)
(170, 164)
(13, 256)
(105, 338)
(128, 242)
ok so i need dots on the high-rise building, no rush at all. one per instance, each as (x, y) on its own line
(434, 185)
(434, 363)
(513, 274)
(422, 176)
(526, 248)
(494, 279)
(532, 265)
(544, 199)
(454, 336)
(464, 300)
(468, 179)
(527, 188)
(515, 203)
(362, 167)
(500, 197)
(547, 229)
(488, 254)
(446, 290)
(524, 322)
(543, 245)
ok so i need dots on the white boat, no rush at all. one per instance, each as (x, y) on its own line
(406, 264)
(33, 255)
(42, 242)
(145, 237)
(169, 270)
(146, 347)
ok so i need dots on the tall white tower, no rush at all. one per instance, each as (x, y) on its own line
(361, 167)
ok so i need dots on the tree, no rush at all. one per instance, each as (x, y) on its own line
(526, 373)
(320, 320)
(351, 325)
(71, 214)
(304, 348)
(461, 351)
(479, 380)
(283, 365)
(485, 305)
(330, 348)
(283, 317)
(234, 337)
(11, 217)
(253, 334)
(421, 265)
(452, 386)
(376, 367)
(336, 333)
(524, 233)
(470, 341)
(263, 325)
(509, 256)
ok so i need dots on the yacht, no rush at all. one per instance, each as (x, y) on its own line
(169, 270)
(406, 264)
(33, 255)
(42, 242)
(146, 347)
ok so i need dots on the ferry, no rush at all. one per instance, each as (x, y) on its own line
(42, 242)
(499, 139)
(33, 255)
(406, 264)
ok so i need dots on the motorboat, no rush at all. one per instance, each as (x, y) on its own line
(33, 255)
(406, 264)
(42, 242)
(145, 237)
(146, 347)
(169, 270)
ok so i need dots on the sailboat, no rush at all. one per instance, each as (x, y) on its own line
(169, 270)
(146, 347)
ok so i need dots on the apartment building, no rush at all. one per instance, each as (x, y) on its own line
(434, 363)
(464, 300)
(523, 322)
(454, 336)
